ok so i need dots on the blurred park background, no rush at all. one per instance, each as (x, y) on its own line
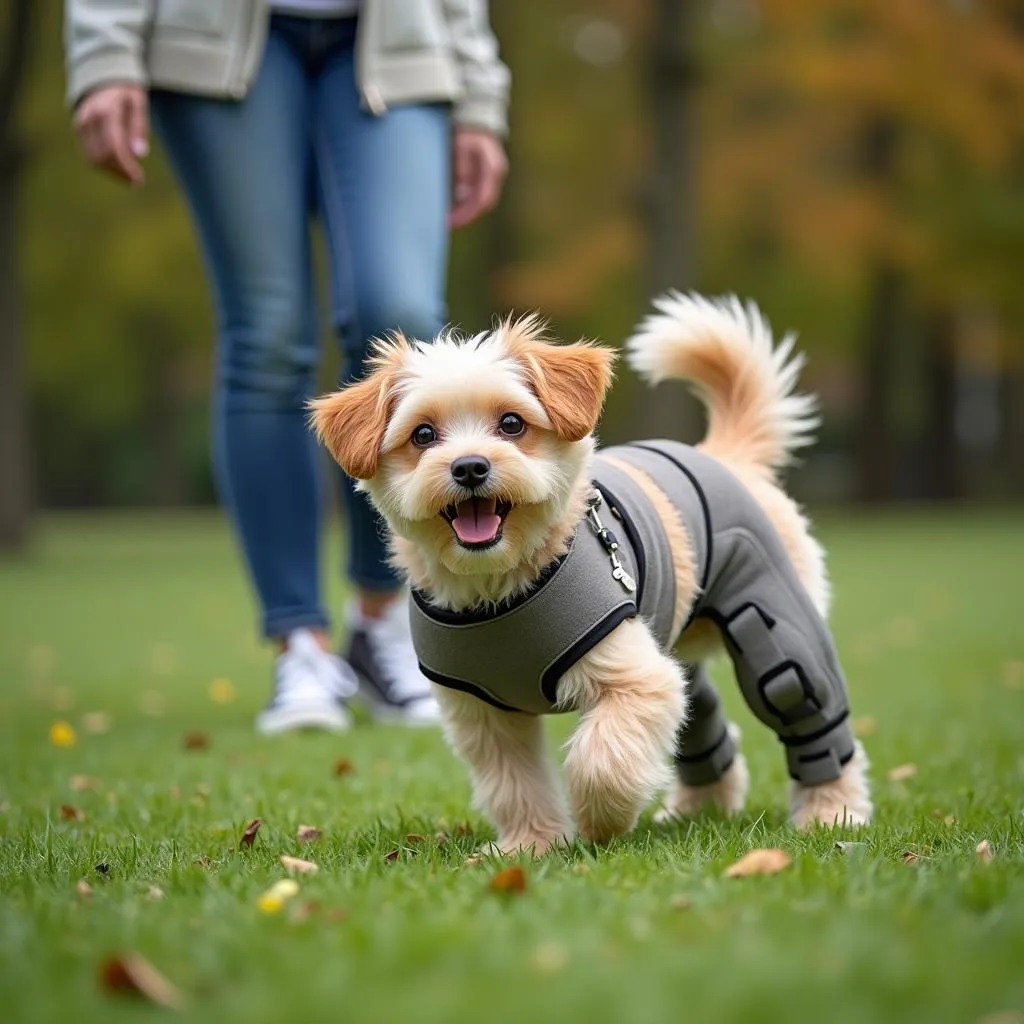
(856, 167)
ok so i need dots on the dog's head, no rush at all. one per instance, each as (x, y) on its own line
(471, 448)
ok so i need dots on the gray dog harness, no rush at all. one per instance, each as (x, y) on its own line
(619, 565)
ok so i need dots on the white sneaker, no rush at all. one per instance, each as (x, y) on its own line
(380, 651)
(310, 685)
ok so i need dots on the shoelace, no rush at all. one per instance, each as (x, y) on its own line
(396, 656)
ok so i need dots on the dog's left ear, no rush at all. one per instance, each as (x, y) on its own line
(570, 381)
(351, 421)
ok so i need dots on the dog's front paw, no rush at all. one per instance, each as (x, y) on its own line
(534, 845)
(846, 801)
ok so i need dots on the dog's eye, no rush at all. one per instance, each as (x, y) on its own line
(511, 425)
(424, 436)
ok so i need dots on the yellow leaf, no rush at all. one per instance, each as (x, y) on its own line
(984, 851)
(222, 691)
(298, 865)
(62, 735)
(274, 899)
(902, 772)
(759, 862)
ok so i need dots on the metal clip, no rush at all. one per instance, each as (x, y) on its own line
(608, 541)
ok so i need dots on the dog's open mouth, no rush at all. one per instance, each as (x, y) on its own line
(477, 522)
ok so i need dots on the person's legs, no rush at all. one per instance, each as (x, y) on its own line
(383, 192)
(246, 169)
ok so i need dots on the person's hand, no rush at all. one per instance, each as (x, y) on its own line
(112, 125)
(479, 167)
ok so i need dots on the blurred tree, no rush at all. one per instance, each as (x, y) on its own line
(15, 481)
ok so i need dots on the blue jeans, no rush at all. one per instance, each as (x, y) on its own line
(256, 173)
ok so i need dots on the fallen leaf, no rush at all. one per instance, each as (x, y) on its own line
(195, 740)
(1002, 1017)
(163, 659)
(154, 892)
(509, 880)
(308, 834)
(42, 659)
(393, 855)
(550, 958)
(1013, 675)
(984, 851)
(103, 868)
(83, 888)
(80, 783)
(222, 691)
(62, 735)
(62, 699)
(414, 838)
(71, 813)
(681, 903)
(343, 766)
(273, 900)
(97, 722)
(298, 865)
(865, 725)
(910, 857)
(203, 862)
(759, 862)
(902, 772)
(249, 835)
(474, 858)
(152, 703)
(441, 837)
(462, 829)
(129, 972)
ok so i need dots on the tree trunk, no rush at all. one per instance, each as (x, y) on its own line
(671, 195)
(15, 480)
(941, 470)
(877, 442)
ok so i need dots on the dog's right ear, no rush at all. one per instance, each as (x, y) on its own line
(351, 421)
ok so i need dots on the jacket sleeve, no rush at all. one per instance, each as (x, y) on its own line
(485, 79)
(104, 41)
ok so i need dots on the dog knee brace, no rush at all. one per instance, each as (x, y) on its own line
(704, 747)
(792, 681)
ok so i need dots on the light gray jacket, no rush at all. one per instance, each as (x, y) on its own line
(407, 51)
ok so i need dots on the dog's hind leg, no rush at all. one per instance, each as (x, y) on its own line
(632, 698)
(710, 770)
(515, 782)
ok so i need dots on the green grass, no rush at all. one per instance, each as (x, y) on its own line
(136, 616)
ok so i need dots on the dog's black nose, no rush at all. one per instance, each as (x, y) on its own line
(471, 471)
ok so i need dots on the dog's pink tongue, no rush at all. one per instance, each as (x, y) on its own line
(476, 521)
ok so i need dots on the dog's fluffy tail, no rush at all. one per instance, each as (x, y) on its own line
(724, 350)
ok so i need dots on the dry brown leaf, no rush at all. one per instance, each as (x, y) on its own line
(308, 834)
(298, 865)
(393, 855)
(249, 835)
(910, 857)
(902, 772)
(509, 880)
(70, 813)
(759, 862)
(195, 739)
(96, 722)
(865, 725)
(83, 888)
(984, 851)
(462, 829)
(80, 783)
(129, 972)
(343, 766)
(474, 859)
(415, 839)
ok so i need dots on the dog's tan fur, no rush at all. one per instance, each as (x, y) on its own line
(631, 694)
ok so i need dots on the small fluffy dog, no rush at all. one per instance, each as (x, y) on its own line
(548, 576)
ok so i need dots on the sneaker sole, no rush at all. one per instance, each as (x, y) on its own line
(334, 719)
